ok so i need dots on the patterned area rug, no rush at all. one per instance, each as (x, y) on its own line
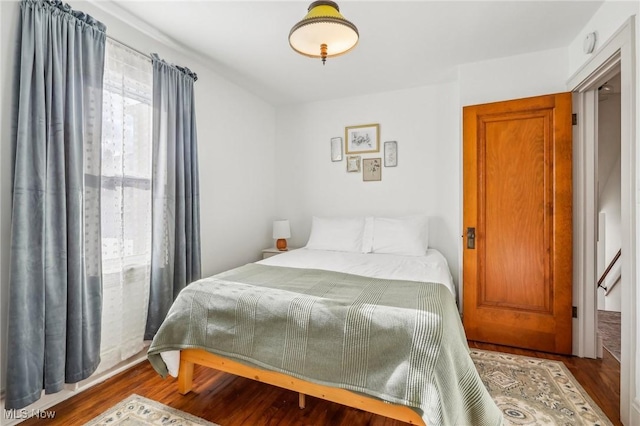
(533, 391)
(138, 411)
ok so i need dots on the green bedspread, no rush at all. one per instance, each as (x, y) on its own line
(400, 341)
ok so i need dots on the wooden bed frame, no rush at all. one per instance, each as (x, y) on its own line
(190, 357)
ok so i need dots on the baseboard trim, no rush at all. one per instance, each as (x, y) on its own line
(41, 407)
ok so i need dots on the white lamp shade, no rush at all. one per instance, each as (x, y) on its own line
(281, 229)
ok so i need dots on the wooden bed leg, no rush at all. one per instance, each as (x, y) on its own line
(185, 377)
(301, 400)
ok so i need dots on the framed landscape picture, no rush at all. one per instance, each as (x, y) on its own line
(362, 139)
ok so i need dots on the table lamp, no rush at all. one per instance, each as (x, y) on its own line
(281, 230)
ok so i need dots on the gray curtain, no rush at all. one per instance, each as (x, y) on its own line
(55, 288)
(175, 252)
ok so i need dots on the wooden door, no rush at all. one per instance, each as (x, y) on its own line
(517, 270)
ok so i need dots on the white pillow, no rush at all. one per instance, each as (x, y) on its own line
(408, 236)
(336, 234)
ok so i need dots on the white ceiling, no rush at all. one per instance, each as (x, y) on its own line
(403, 44)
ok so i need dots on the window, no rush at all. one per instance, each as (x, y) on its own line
(126, 201)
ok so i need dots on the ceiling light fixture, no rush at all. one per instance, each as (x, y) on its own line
(324, 32)
(606, 88)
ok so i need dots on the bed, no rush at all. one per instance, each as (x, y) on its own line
(378, 331)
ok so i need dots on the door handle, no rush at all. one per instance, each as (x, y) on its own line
(471, 238)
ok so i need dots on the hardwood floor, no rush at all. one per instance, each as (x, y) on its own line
(234, 401)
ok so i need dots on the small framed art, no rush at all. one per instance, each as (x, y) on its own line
(362, 139)
(353, 163)
(371, 169)
(391, 154)
(336, 149)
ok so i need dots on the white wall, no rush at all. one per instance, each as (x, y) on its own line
(424, 121)
(515, 77)
(605, 22)
(236, 140)
(610, 204)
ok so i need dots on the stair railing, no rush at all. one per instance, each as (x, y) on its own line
(606, 271)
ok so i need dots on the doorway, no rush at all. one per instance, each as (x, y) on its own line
(608, 253)
(616, 55)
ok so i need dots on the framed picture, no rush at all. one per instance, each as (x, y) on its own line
(372, 169)
(391, 154)
(362, 139)
(353, 163)
(336, 149)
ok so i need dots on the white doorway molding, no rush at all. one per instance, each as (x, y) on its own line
(617, 54)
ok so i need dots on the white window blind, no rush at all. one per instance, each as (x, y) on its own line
(126, 202)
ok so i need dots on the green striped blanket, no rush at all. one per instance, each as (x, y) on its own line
(400, 341)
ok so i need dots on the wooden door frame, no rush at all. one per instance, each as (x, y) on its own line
(618, 53)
